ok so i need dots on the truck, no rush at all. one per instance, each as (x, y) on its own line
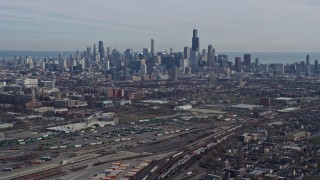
(46, 158)
(7, 169)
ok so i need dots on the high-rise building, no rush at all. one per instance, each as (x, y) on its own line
(257, 62)
(171, 50)
(108, 51)
(77, 55)
(146, 52)
(204, 55)
(195, 49)
(94, 54)
(195, 41)
(237, 64)
(88, 52)
(152, 47)
(194, 59)
(316, 66)
(143, 69)
(101, 50)
(183, 64)
(308, 59)
(173, 73)
(186, 52)
(210, 56)
(247, 59)
(128, 54)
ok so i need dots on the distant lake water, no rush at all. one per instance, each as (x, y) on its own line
(35, 54)
(275, 57)
(265, 57)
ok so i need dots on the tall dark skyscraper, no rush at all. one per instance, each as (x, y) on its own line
(237, 64)
(308, 59)
(101, 50)
(94, 50)
(195, 41)
(210, 56)
(316, 66)
(247, 59)
(152, 47)
(88, 52)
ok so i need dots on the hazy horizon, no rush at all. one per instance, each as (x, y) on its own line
(230, 25)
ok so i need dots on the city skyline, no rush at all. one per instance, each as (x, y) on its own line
(228, 26)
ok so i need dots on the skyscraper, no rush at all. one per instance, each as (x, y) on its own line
(173, 73)
(257, 62)
(316, 66)
(94, 52)
(152, 47)
(195, 41)
(237, 64)
(89, 52)
(146, 52)
(171, 50)
(210, 56)
(247, 59)
(186, 52)
(101, 50)
(204, 55)
(308, 59)
(195, 49)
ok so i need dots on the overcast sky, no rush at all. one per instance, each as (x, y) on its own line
(230, 25)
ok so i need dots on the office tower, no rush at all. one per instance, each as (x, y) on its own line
(108, 51)
(97, 58)
(128, 55)
(222, 57)
(157, 60)
(116, 59)
(183, 64)
(308, 59)
(94, 53)
(186, 52)
(194, 59)
(195, 41)
(15, 59)
(146, 52)
(204, 54)
(257, 62)
(264, 68)
(77, 56)
(143, 69)
(195, 49)
(247, 59)
(279, 67)
(101, 50)
(89, 52)
(127, 73)
(316, 66)
(152, 47)
(62, 61)
(237, 64)
(87, 62)
(210, 56)
(173, 73)
(171, 50)
(107, 65)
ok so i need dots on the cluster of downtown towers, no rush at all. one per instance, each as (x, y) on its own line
(129, 63)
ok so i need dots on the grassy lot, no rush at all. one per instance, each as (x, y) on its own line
(315, 140)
